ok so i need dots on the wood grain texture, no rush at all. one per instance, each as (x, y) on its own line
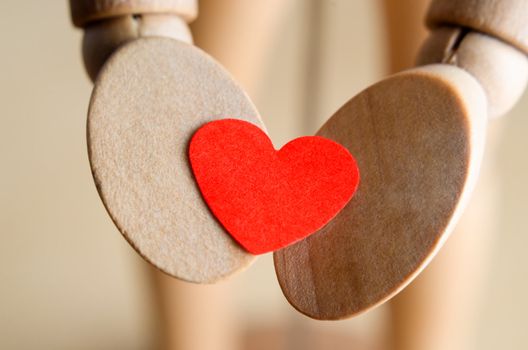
(102, 38)
(500, 68)
(504, 19)
(418, 139)
(148, 100)
(85, 11)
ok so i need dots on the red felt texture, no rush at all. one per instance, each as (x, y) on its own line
(268, 199)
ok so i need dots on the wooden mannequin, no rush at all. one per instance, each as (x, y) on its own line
(428, 56)
(439, 309)
(435, 310)
(183, 306)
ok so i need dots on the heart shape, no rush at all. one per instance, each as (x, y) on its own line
(268, 199)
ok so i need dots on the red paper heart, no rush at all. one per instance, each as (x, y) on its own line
(268, 199)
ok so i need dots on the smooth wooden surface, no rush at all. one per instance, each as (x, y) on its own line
(86, 11)
(418, 138)
(102, 38)
(501, 69)
(504, 19)
(148, 100)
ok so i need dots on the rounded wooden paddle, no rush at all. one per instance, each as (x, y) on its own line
(418, 138)
(148, 100)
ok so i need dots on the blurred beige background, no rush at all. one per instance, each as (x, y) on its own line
(67, 278)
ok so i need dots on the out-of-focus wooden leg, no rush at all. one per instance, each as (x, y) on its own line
(438, 310)
(195, 316)
(238, 33)
(405, 31)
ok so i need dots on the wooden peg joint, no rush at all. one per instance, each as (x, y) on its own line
(84, 12)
